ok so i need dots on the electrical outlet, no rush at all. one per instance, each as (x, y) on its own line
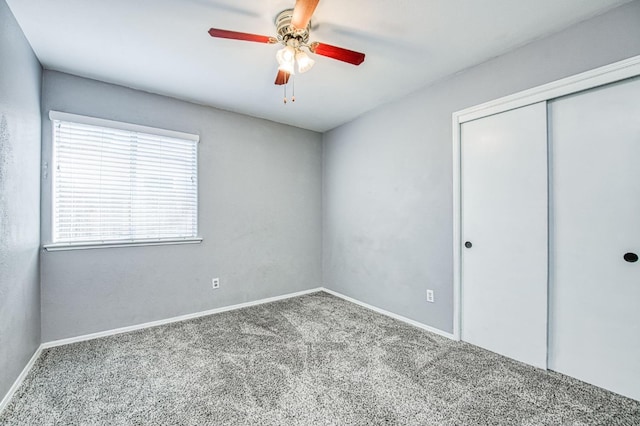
(430, 297)
(215, 283)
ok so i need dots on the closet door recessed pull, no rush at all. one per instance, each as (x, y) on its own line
(630, 257)
(468, 244)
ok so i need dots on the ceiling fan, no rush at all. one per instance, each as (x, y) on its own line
(292, 29)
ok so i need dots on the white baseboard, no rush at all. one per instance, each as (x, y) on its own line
(127, 329)
(20, 379)
(51, 344)
(392, 315)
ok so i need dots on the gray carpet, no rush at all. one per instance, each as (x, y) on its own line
(311, 360)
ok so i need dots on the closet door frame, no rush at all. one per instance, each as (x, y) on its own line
(587, 80)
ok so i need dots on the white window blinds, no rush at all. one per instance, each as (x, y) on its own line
(117, 185)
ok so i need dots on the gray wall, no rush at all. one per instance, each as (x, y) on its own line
(259, 214)
(387, 193)
(20, 82)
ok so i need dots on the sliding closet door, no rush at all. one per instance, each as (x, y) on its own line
(504, 231)
(594, 332)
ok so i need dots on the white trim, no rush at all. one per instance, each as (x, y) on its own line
(127, 329)
(61, 342)
(391, 314)
(457, 230)
(179, 318)
(587, 80)
(93, 121)
(18, 382)
(611, 73)
(110, 244)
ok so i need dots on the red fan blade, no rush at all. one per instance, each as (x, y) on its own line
(302, 12)
(344, 55)
(282, 77)
(235, 35)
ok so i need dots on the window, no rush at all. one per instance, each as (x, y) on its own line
(117, 183)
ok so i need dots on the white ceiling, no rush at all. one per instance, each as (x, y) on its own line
(162, 46)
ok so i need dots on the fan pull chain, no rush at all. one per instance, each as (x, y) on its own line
(293, 90)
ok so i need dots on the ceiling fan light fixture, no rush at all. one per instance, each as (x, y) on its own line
(287, 67)
(286, 55)
(305, 63)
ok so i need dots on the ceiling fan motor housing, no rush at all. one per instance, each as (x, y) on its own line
(287, 32)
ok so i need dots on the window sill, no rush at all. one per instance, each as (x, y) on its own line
(113, 244)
